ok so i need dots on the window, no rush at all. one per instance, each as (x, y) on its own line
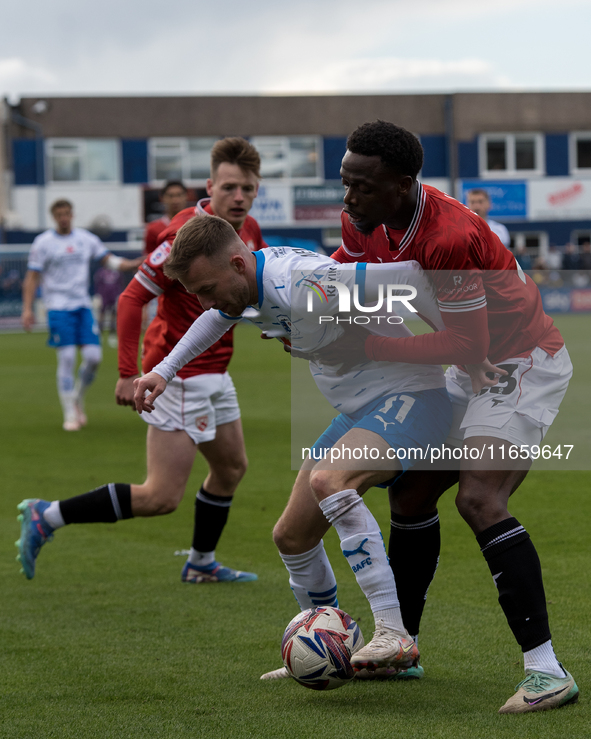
(580, 237)
(511, 154)
(293, 157)
(535, 243)
(82, 160)
(180, 158)
(580, 152)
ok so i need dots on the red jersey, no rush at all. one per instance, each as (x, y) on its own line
(177, 309)
(489, 307)
(153, 231)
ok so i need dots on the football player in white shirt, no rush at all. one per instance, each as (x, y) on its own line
(384, 408)
(60, 259)
(479, 203)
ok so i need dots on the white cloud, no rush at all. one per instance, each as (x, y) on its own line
(306, 45)
(16, 74)
(391, 74)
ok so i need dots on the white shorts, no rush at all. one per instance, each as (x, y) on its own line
(520, 409)
(196, 405)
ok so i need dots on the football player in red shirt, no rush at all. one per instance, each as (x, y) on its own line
(198, 411)
(174, 197)
(490, 309)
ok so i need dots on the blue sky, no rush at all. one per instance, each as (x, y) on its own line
(143, 46)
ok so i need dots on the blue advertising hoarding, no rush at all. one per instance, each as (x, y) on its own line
(508, 198)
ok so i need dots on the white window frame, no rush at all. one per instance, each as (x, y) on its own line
(580, 233)
(519, 238)
(574, 136)
(318, 179)
(510, 139)
(185, 159)
(81, 143)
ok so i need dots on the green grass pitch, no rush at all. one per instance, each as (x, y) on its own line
(107, 642)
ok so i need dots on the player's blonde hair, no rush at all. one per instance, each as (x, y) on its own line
(202, 236)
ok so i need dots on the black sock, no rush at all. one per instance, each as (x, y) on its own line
(515, 567)
(417, 538)
(106, 504)
(211, 514)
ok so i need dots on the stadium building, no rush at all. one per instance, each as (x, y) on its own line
(109, 155)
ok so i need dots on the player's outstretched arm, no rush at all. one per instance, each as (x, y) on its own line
(120, 264)
(205, 331)
(30, 285)
(129, 327)
(153, 384)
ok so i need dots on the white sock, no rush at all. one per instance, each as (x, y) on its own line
(363, 547)
(311, 578)
(201, 559)
(53, 515)
(543, 659)
(390, 617)
(92, 355)
(68, 400)
(66, 360)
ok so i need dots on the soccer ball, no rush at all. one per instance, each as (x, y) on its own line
(317, 646)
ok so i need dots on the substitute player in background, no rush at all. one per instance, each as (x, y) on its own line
(174, 197)
(60, 259)
(478, 200)
(489, 309)
(199, 410)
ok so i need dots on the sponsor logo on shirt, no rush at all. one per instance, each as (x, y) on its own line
(159, 255)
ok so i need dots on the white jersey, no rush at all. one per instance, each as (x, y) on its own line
(501, 231)
(283, 276)
(64, 263)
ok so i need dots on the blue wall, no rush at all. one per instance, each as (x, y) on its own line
(557, 154)
(134, 155)
(468, 159)
(435, 164)
(334, 150)
(24, 160)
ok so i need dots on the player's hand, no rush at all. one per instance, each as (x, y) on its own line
(152, 383)
(124, 391)
(27, 319)
(484, 375)
(286, 347)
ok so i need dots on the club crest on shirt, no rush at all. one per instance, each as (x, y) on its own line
(202, 422)
(285, 322)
